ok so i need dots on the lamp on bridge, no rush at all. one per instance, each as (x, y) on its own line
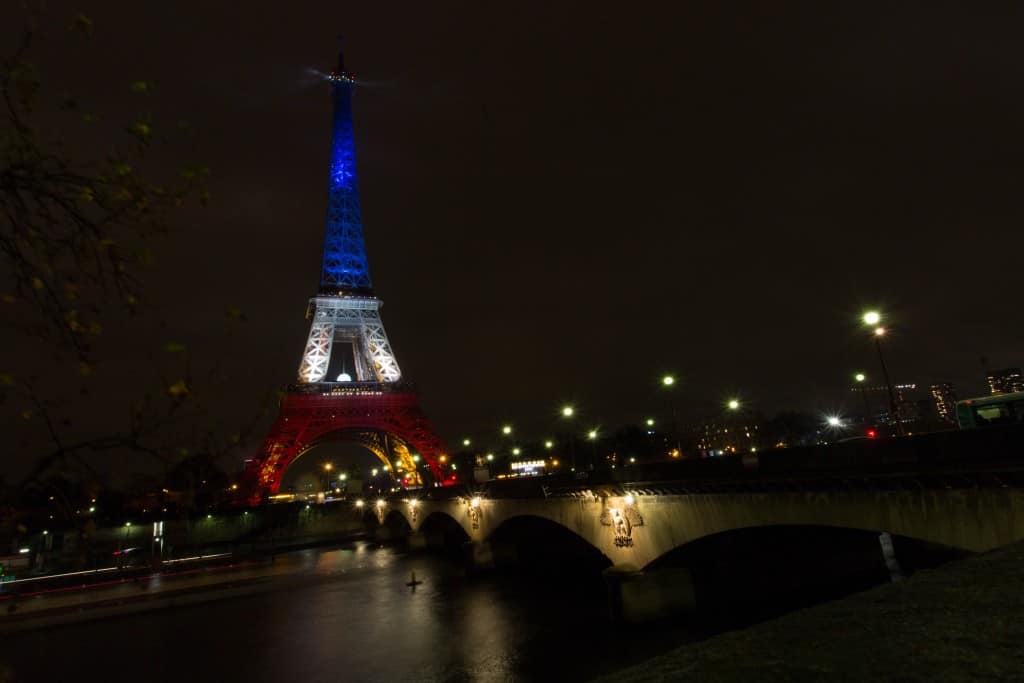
(860, 378)
(327, 476)
(592, 437)
(567, 413)
(669, 381)
(873, 319)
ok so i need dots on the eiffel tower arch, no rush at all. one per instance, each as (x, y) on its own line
(349, 383)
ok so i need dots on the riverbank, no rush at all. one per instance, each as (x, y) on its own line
(99, 597)
(959, 622)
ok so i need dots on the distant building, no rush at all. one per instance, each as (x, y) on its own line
(945, 401)
(1006, 381)
(714, 437)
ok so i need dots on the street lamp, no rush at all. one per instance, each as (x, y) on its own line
(327, 476)
(860, 378)
(567, 413)
(506, 429)
(466, 442)
(733, 404)
(872, 319)
(592, 435)
(669, 381)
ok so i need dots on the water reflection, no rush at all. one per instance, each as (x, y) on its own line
(346, 614)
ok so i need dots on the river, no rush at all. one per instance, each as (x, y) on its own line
(352, 618)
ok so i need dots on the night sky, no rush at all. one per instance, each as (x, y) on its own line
(562, 204)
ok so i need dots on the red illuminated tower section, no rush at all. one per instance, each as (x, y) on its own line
(349, 386)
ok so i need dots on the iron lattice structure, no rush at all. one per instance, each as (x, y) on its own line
(351, 320)
(387, 421)
(345, 268)
(372, 408)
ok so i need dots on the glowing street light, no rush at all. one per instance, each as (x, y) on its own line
(568, 412)
(860, 378)
(506, 429)
(549, 445)
(872, 318)
(328, 467)
(650, 422)
(733, 404)
(592, 434)
(516, 451)
(834, 421)
(466, 442)
(668, 381)
(490, 457)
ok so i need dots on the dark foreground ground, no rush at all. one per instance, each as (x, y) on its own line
(961, 622)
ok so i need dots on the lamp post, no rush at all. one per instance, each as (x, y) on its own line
(733, 406)
(872, 319)
(668, 381)
(327, 476)
(592, 435)
(860, 377)
(567, 413)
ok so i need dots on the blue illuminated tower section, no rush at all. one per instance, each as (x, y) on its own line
(345, 268)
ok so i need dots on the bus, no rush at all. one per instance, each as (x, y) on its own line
(998, 409)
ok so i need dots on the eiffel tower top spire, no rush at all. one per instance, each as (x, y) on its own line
(345, 268)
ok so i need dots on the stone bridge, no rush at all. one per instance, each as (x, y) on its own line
(634, 527)
(962, 490)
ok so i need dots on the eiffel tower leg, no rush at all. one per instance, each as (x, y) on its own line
(306, 420)
(318, 351)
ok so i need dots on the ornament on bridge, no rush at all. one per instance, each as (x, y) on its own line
(622, 520)
(414, 512)
(473, 510)
(379, 508)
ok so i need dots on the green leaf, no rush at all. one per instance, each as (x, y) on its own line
(179, 388)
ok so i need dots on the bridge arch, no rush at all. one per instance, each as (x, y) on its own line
(441, 529)
(305, 421)
(538, 540)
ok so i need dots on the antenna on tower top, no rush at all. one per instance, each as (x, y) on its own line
(339, 75)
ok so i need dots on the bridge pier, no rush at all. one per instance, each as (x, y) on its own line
(637, 597)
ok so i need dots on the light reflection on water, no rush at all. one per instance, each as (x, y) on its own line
(347, 615)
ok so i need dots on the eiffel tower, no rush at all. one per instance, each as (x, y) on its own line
(349, 386)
